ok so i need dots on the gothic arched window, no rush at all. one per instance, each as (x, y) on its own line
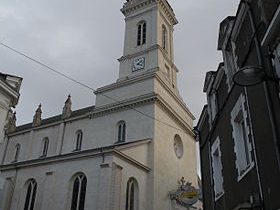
(121, 131)
(30, 194)
(79, 192)
(141, 33)
(79, 139)
(17, 151)
(45, 147)
(131, 195)
(164, 38)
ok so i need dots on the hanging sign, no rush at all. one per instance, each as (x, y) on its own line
(186, 195)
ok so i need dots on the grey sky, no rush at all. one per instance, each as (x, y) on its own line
(84, 38)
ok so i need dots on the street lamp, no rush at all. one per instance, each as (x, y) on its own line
(251, 75)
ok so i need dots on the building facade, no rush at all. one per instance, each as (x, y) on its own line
(238, 129)
(9, 96)
(128, 151)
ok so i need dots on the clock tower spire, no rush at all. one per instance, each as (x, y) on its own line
(148, 42)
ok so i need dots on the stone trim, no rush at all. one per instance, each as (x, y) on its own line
(107, 109)
(175, 116)
(112, 150)
(9, 90)
(129, 7)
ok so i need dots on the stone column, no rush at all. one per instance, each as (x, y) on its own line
(109, 187)
(8, 192)
(46, 202)
(116, 187)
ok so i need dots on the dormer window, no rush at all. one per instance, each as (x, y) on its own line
(164, 38)
(141, 33)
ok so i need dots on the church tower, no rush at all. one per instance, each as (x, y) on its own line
(147, 86)
(148, 43)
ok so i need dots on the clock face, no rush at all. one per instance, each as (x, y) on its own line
(138, 64)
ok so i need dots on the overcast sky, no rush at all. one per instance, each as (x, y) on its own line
(84, 39)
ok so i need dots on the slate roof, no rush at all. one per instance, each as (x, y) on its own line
(57, 118)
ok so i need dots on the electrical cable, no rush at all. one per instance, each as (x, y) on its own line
(82, 84)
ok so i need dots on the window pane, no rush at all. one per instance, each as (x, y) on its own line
(139, 35)
(127, 196)
(27, 199)
(83, 193)
(144, 33)
(244, 137)
(123, 132)
(33, 196)
(120, 133)
(75, 194)
(131, 197)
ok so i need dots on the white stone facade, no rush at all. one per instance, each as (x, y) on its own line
(149, 105)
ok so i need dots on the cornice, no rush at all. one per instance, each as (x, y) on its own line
(122, 83)
(101, 151)
(174, 96)
(10, 91)
(146, 51)
(143, 52)
(125, 104)
(101, 111)
(133, 5)
(175, 116)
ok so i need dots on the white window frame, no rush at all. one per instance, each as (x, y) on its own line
(276, 61)
(212, 105)
(240, 133)
(230, 66)
(217, 169)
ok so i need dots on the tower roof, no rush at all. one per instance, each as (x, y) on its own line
(132, 5)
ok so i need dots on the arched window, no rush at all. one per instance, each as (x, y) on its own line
(45, 147)
(131, 195)
(30, 195)
(17, 151)
(121, 131)
(79, 139)
(164, 38)
(141, 33)
(79, 192)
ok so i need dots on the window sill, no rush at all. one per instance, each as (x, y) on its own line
(76, 150)
(219, 195)
(245, 172)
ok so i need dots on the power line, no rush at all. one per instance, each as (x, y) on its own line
(82, 84)
(46, 66)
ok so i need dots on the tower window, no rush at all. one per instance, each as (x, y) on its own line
(164, 38)
(45, 147)
(131, 195)
(79, 139)
(141, 33)
(121, 131)
(79, 192)
(30, 195)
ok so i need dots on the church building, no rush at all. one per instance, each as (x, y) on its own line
(128, 151)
